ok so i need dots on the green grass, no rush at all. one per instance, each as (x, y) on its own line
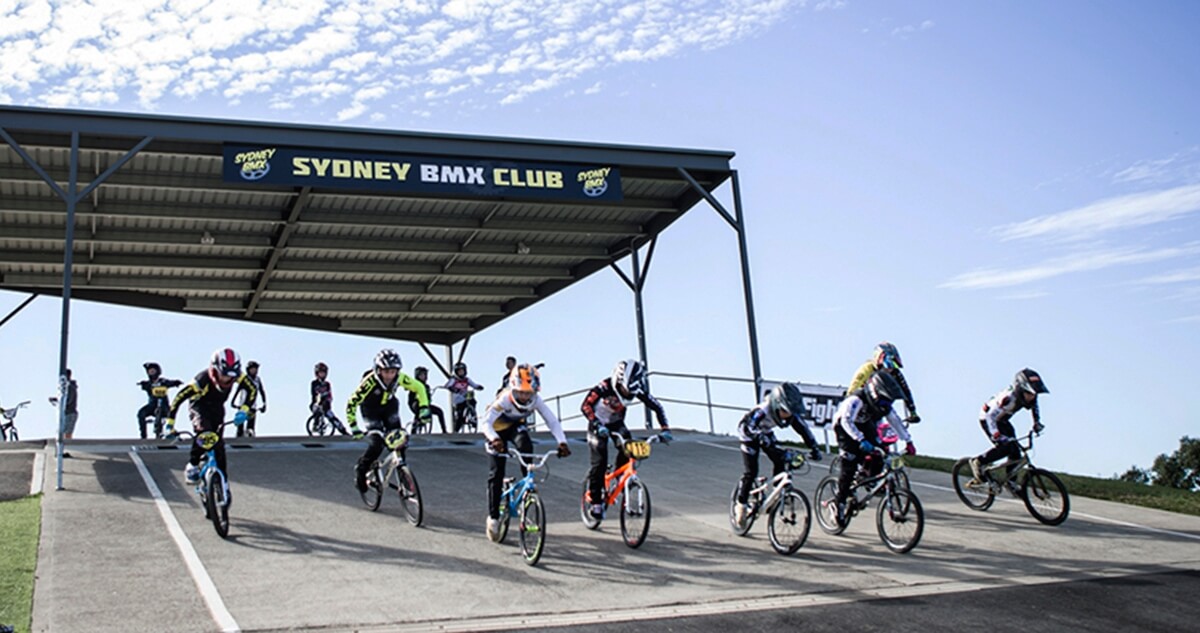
(1158, 497)
(20, 525)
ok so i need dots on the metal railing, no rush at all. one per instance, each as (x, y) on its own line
(707, 403)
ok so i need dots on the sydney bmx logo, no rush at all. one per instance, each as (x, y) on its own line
(594, 181)
(254, 165)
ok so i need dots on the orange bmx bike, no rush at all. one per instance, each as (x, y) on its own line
(622, 486)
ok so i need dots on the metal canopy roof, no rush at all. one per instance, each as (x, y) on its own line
(169, 230)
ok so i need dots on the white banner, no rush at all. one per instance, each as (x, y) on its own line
(820, 401)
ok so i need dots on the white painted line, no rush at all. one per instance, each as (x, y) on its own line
(1080, 514)
(728, 448)
(39, 473)
(208, 590)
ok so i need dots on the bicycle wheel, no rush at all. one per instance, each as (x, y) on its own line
(532, 528)
(374, 492)
(504, 519)
(635, 513)
(12, 435)
(1045, 497)
(835, 465)
(826, 501)
(900, 520)
(976, 495)
(410, 494)
(789, 522)
(740, 529)
(217, 497)
(315, 425)
(585, 509)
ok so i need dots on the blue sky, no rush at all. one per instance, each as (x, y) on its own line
(987, 185)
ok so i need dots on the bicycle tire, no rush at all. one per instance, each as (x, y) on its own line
(975, 495)
(740, 530)
(635, 513)
(902, 480)
(789, 522)
(410, 495)
(826, 501)
(1039, 491)
(532, 528)
(505, 517)
(13, 436)
(901, 511)
(835, 465)
(218, 502)
(316, 425)
(374, 492)
(585, 509)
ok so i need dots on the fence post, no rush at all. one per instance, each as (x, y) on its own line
(708, 398)
(558, 407)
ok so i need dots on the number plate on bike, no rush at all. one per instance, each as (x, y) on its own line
(637, 449)
(208, 439)
(159, 392)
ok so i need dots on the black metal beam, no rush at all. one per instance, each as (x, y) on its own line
(280, 242)
(18, 309)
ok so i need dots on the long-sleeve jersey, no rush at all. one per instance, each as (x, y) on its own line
(249, 399)
(503, 413)
(604, 405)
(206, 398)
(761, 421)
(854, 416)
(414, 402)
(458, 388)
(158, 383)
(1002, 406)
(868, 369)
(322, 393)
(377, 401)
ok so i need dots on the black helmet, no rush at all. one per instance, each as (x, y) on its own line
(320, 367)
(252, 365)
(882, 390)
(421, 371)
(786, 397)
(387, 359)
(1029, 380)
(458, 366)
(630, 374)
(152, 365)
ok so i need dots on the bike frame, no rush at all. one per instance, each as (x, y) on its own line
(621, 476)
(514, 494)
(779, 484)
(874, 484)
(1011, 471)
(10, 416)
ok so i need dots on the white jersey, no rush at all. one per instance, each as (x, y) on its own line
(853, 412)
(1002, 406)
(503, 413)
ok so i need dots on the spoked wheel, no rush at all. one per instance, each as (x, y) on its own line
(532, 528)
(470, 420)
(585, 509)
(410, 494)
(835, 465)
(374, 492)
(826, 501)
(635, 513)
(1045, 497)
(316, 425)
(902, 480)
(900, 520)
(740, 529)
(216, 495)
(789, 522)
(976, 495)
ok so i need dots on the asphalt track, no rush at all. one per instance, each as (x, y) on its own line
(303, 554)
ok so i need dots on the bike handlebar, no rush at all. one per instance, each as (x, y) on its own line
(539, 461)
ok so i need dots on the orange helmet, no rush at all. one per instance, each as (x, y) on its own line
(523, 379)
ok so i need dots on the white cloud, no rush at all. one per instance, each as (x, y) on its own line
(1058, 266)
(1123, 212)
(1182, 166)
(1176, 277)
(351, 112)
(90, 52)
(1025, 296)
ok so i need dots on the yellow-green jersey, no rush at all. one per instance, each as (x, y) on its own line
(867, 370)
(378, 402)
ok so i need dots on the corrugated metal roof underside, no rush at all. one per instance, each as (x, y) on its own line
(165, 231)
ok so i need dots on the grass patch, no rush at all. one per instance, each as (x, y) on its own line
(20, 526)
(1158, 497)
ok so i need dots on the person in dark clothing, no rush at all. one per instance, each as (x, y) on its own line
(246, 397)
(206, 396)
(156, 388)
(421, 374)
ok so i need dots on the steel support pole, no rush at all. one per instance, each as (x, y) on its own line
(641, 320)
(744, 254)
(68, 261)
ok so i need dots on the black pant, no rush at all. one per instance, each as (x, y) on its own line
(375, 443)
(1001, 449)
(767, 444)
(854, 457)
(519, 436)
(460, 413)
(251, 417)
(146, 412)
(200, 425)
(434, 412)
(599, 450)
